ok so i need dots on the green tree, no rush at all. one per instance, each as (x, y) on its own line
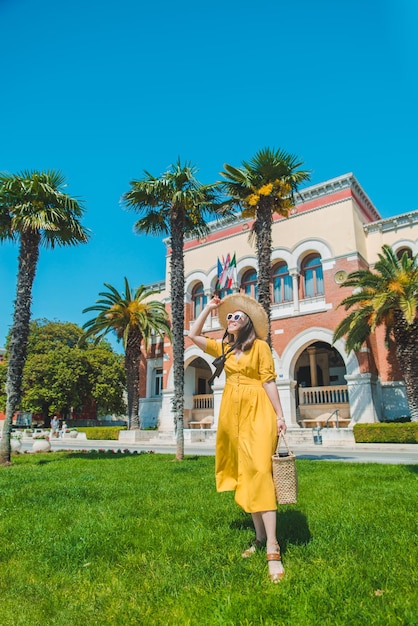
(262, 187)
(54, 381)
(62, 373)
(175, 204)
(387, 296)
(133, 318)
(35, 211)
(107, 377)
(46, 335)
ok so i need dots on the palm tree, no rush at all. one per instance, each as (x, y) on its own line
(262, 187)
(133, 318)
(35, 211)
(174, 204)
(386, 296)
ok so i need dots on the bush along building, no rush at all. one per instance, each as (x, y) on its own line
(333, 229)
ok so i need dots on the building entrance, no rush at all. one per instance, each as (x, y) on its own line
(321, 387)
(198, 397)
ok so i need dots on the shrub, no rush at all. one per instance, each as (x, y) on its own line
(102, 432)
(398, 420)
(386, 433)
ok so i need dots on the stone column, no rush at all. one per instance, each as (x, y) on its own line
(286, 389)
(295, 287)
(208, 321)
(166, 416)
(312, 366)
(362, 392)
(218, 387)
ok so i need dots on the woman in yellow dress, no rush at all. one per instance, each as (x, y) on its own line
(250, 416)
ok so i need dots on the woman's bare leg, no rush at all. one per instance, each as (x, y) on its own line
(269, 523)
(260, 531)
(260, 536)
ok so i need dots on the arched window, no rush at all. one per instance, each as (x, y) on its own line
(281, 283)
(249, 283)
(401, 251)
(313, 280)
(198, 299)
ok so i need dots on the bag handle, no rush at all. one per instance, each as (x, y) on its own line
(282, 437)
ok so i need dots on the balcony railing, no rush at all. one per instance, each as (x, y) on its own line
(203, 401)
(337, 394)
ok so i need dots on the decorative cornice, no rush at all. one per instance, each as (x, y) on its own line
(308, 194)
(219, 224)
(392, 223)
(323, 189)
(158, 287)
(346, 181)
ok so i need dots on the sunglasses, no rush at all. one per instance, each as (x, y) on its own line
(235, 316)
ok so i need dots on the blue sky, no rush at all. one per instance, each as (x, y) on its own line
(103, 90)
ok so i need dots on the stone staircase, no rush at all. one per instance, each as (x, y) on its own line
(299, 436)
(296, 437)
(326, 436)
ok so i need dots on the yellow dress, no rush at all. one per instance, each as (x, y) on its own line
(247, 430)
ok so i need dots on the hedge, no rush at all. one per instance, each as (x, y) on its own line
(102, 432)
(386, 433)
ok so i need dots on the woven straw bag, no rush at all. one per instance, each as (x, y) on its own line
(285, 477)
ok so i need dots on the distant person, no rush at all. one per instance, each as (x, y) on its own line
(63, 428)
(55, 424)
(250, 416)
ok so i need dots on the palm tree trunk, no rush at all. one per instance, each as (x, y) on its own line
(132, 368)
(28, 259)
(406, 338)
(262, 229)
(177, 309)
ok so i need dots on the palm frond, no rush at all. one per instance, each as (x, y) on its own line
(409, 307)
(387, 296)
(154, 223)
(121, 314)
(34, 201)
(270, 178)
(356, 328)
(177, 192)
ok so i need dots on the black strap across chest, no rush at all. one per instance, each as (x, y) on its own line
(219, 362)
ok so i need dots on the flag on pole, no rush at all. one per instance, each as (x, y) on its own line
(227, 272)
(219, 272)
(232, 272)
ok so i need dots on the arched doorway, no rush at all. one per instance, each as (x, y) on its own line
(320, 364)
(321, 385)
(198, 397)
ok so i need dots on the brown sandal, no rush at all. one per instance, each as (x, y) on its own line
(275, 556)
(255, 545)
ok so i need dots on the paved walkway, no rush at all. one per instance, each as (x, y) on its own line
(406, 454)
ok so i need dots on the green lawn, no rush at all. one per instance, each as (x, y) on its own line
(109, 539)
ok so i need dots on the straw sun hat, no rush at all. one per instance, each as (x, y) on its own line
(246, 304)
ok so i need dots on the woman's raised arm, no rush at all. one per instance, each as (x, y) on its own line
(195, 333)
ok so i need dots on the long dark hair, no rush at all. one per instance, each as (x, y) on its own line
(245, 337)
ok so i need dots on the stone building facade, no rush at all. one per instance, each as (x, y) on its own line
(333, 230)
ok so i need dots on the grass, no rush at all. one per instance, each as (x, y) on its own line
(114, 539)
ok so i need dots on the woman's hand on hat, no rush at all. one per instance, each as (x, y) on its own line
(213, 303)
